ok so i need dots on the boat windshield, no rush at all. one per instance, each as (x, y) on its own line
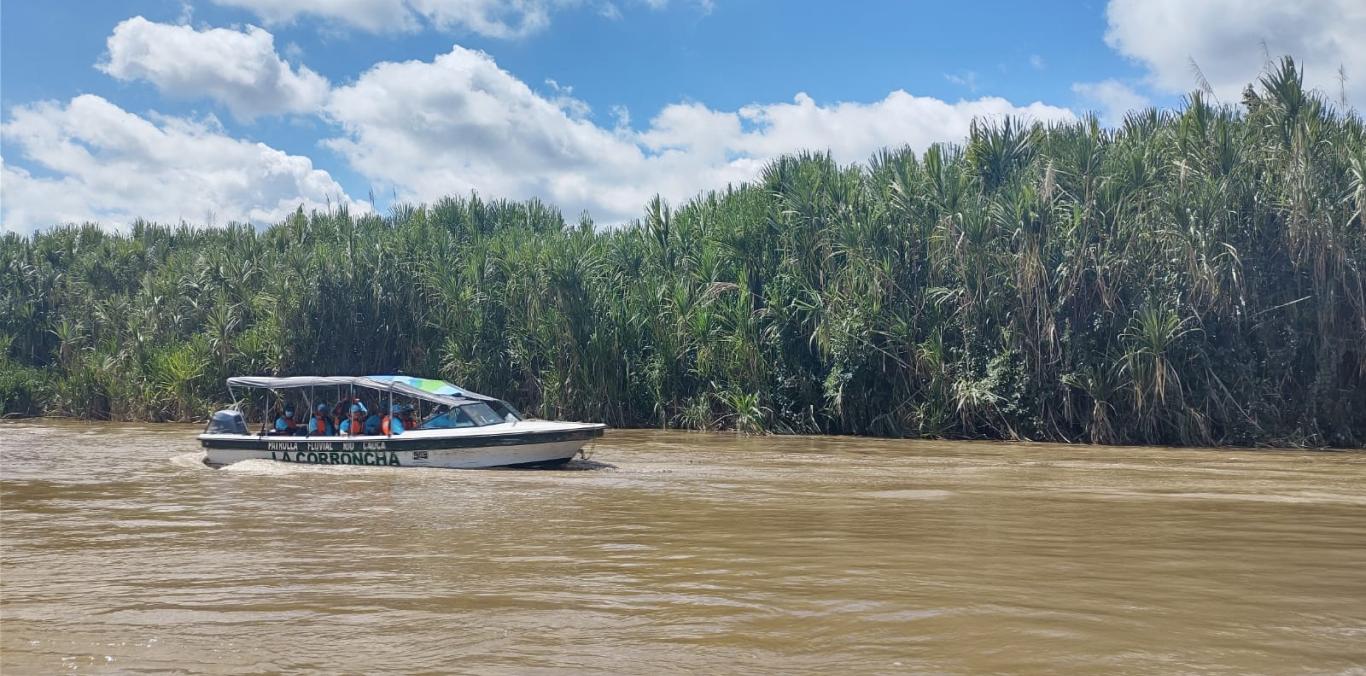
(468, 415)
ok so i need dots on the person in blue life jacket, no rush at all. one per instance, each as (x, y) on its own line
(372, 423)
(339, 412)
(320, 425)
(354, 425)
(436, 419)
(284, 423)
(392, 424)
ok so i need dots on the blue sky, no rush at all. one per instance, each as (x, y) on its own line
(215, 110)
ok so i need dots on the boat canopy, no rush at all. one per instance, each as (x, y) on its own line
(427, 389)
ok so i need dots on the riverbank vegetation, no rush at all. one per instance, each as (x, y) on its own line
(1190, 277)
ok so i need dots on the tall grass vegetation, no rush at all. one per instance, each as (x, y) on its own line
(1190, 277)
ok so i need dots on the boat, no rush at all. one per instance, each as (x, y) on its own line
(464, 429)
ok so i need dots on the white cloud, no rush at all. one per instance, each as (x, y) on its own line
(564, 99)
(240, 69)
(609, 11)
(1113, 97)
(1036, 62)
(490, 18)
(967, 79)
(1225, 39)
(461, 123)
(493, 18)
(93, 161)
(370, 15)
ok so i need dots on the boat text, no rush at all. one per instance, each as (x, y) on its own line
(338, 457)
(292, 446)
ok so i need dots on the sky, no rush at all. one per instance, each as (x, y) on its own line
(217, 111)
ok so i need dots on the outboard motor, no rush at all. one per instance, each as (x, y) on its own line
(226, 421)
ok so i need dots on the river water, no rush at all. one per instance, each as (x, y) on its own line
(669, 551)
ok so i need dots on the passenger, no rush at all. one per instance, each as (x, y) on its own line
(441, 410)
(284, 423)
(342, 410)
(268, 421)
(450, 419)
(355, 425)
(363, 418)
(339, 413)
(392, 424)
(436, 420)
(321, 423)
(409, 417)
(372, 423)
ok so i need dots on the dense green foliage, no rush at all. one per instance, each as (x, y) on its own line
(1191, 277)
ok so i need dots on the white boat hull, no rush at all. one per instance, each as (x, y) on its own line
(531, 443)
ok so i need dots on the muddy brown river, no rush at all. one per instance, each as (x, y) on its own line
(678, 552)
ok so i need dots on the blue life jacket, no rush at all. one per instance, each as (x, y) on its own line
(283, 424)
(372, 424)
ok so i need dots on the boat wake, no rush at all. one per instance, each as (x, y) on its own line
(199, 460)
(191, 460)
(585, 465)
(262, 467)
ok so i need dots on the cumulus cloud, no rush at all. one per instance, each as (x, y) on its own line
(1114, 98)
(460, 123)
(240, 69)
(490, 18)
(1225, 40)
(93, 161)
